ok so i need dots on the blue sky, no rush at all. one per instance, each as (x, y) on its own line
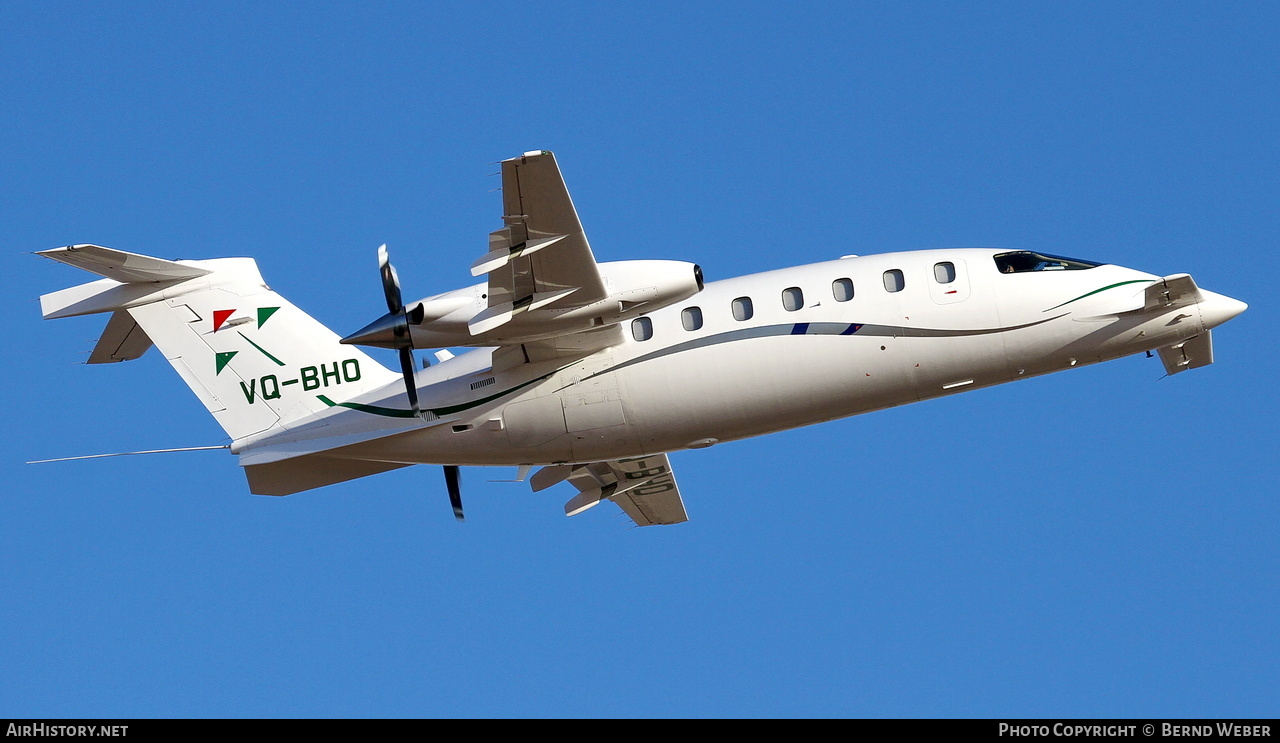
(1094, 543)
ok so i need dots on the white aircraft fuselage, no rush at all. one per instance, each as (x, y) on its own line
(731, 379)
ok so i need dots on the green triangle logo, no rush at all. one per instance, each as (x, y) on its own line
(264, 313)
(224, 358)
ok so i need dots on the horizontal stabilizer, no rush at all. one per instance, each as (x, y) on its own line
(135, 280)
(304, 473)
(1192, 353)
(124, 267)
(1178, 290)
(122, 340)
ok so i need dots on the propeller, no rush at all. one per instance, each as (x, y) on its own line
(392, 331)
(453, 480)
(403, 339)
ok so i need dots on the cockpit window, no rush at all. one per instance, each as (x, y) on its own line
(1023, 261)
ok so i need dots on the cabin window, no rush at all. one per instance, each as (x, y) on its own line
(792, 299)
(642, 328)
(842, 289)
(1023, 261)
(945, 273)
(691, 318)
(894, 280)
(742, 309)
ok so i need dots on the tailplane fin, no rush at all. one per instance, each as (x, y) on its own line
(255, 360)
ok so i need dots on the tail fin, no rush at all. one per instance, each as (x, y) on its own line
(254, 360)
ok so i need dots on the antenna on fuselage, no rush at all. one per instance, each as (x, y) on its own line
(129, 453)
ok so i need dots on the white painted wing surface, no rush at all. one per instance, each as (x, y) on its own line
(541, 259)
(121, 266)
(1171, 292)
(643, 487)
(1178, 290)
(546, 251)
(657, 499)
(1192, 353)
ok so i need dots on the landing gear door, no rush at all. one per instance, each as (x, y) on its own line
(949, 283)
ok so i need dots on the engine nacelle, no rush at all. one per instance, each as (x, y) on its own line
(639, 287)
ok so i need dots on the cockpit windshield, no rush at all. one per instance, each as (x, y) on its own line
(1022, 261)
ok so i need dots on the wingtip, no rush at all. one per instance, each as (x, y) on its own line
(50, 252)
(530, 153)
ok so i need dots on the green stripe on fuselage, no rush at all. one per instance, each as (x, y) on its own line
(439, 412)
(1097, 291)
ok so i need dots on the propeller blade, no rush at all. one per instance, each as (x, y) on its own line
(410, 387)
(453, 480)
(390, 281)
(397, 322)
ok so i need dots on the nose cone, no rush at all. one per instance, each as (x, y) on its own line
(1216, 309)
(385, 332)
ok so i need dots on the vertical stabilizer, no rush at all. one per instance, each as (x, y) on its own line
(252, 358)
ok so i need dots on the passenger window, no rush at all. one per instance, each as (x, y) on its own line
(945, 273)
(792, 299)
(742, 309)
(691, 318)
(894, 280)
(842, 290)
(642, 328)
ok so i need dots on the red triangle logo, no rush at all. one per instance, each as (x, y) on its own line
(219, 317)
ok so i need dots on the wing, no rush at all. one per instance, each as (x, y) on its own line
(542, 250)
(1178, 290)
(1192, 353)
(541, 259)
(644, 487)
